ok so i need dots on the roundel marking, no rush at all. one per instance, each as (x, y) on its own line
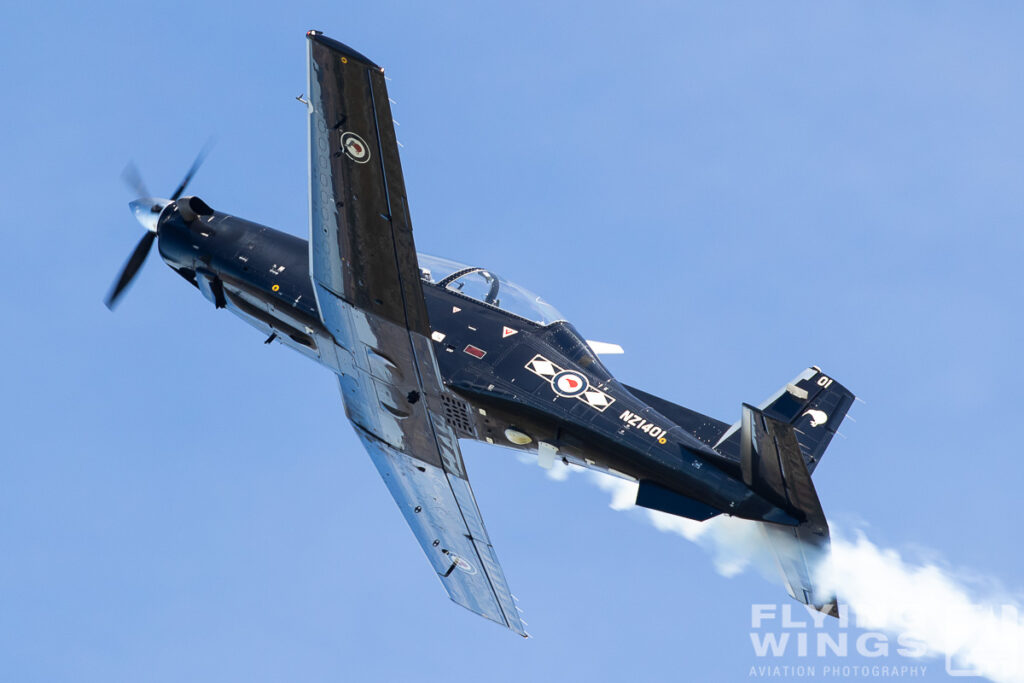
(569, 383)
(355, 147)
(465, 566)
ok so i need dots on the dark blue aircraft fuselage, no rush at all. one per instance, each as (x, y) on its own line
(522, 385)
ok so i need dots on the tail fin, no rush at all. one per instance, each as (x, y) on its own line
(773, 465)
(777, 446)
(813, 403)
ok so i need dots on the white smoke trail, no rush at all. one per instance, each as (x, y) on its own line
(984, 637)
(733, 543)
(981, 637)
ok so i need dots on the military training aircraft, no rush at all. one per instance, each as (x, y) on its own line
(428, 351)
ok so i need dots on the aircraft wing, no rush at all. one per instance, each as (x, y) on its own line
(367, 284)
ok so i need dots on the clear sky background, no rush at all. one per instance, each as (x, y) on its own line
(732, 191)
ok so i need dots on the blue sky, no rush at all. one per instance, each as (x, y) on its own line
(732, 191)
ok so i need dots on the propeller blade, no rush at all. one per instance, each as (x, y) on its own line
(200, 158)
(131, 268)
(133, 179)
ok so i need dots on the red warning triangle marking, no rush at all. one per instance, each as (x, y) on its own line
(455, 309)
(508, 332)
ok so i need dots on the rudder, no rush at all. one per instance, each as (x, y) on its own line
(814, 403)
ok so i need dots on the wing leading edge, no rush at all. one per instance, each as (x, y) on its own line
(366, 279)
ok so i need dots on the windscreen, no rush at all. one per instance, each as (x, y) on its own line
(489, 287)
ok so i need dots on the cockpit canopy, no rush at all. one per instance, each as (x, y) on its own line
(487, 287)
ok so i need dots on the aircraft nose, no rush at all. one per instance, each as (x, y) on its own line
(147, 211)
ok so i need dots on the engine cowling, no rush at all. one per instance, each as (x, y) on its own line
(191, 208)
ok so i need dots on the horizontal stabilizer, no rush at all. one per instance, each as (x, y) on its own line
(773, 466)
(656, 497)
(796, 561)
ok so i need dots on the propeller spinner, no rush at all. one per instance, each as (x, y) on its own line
(147, 211)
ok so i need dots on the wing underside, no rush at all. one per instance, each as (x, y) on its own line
(443, 514)
(367, 284)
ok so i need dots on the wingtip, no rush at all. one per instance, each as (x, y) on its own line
(341, 48)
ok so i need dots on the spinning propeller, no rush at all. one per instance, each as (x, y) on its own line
(147, 210)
